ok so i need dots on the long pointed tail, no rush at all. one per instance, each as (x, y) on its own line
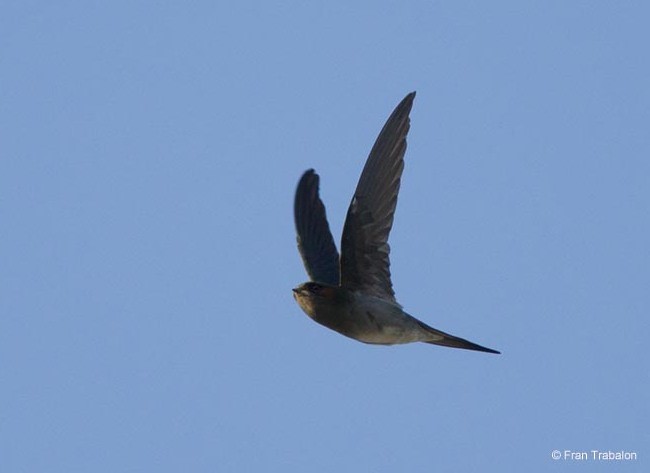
(446, 340)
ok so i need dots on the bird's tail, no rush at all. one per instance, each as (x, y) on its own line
(446, 340)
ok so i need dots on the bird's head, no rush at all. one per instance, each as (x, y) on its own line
(315, 289)
(311, 295)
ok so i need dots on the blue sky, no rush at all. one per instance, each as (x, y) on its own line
(150, 151)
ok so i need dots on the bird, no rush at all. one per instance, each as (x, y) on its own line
(352, 294)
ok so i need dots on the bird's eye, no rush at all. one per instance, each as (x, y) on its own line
(315, 288)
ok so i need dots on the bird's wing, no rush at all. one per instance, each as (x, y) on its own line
(315, 241)
(365, 265)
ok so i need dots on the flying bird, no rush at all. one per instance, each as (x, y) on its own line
(352, 293)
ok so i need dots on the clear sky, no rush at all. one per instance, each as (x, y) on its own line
(149, 152)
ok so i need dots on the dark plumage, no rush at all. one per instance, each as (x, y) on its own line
(353, 294)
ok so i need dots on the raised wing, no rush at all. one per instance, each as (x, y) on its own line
(365, 265)
(315, 241)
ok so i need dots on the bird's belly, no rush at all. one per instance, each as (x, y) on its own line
(366, 319)
(383, 325)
